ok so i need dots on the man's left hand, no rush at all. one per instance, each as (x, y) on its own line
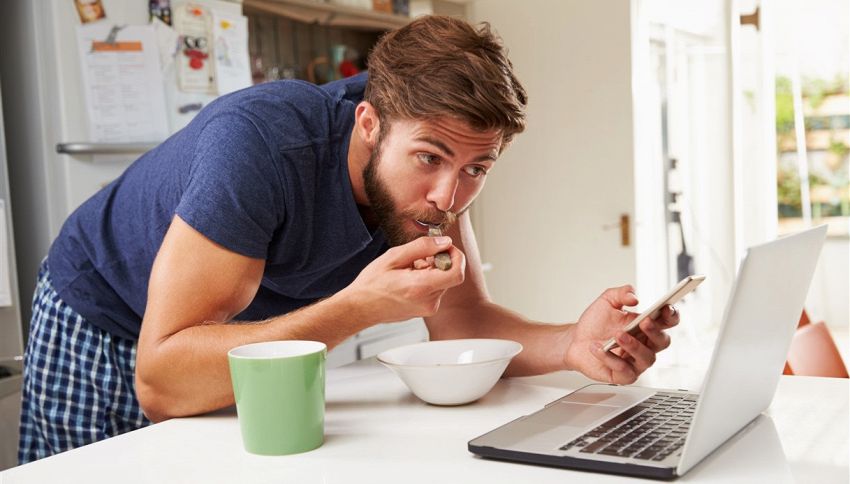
(605, 318)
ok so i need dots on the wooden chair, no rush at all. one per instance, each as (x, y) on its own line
(813, 352)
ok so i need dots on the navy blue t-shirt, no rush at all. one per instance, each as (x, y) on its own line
(262, 172)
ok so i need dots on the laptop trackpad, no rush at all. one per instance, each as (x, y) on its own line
(570, 415)
(551, 427)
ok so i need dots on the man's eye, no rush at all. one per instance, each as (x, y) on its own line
(475, 171)
(428, 158)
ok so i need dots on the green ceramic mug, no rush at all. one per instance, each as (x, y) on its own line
(279, 388)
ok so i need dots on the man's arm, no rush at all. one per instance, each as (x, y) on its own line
(466, 311)
(197, 285)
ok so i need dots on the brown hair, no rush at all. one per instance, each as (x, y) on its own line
(440, 66)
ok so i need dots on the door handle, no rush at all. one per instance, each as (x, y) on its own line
(751, 19)
(625, 229)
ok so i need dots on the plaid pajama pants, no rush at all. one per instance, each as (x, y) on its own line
(78, 380)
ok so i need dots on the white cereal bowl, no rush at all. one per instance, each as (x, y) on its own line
(451, 372)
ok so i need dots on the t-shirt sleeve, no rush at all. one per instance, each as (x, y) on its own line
(234, 194)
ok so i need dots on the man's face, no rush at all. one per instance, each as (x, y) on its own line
(427, 172)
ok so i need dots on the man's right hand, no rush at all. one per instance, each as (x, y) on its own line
(197, 286)
(394, 287)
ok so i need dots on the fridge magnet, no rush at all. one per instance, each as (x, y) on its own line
(195, 71)
(90, 10)
(160, 9)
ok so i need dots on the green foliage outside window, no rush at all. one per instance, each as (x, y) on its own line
(784, 107)
(832, 183)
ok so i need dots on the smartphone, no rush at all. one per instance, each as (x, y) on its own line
(679, 291)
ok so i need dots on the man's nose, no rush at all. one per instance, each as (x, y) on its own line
(442, 194)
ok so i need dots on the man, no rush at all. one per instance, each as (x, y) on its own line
(269, 218)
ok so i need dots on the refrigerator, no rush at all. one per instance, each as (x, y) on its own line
(11, 342)
(58, 156)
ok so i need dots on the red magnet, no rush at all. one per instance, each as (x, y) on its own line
(196, 58)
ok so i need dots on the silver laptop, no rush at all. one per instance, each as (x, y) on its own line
(664, 433)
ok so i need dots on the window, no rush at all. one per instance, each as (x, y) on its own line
(812, 180)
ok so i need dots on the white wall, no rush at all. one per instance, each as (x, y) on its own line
(829, 295)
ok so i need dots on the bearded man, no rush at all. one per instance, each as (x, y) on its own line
(289, 211)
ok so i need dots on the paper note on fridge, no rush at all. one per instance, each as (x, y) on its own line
(123, 83)
(230, 46)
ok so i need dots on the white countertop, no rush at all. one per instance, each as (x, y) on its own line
(376, 431)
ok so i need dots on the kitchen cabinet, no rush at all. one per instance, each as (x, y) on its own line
(298, 39)
(304, 39)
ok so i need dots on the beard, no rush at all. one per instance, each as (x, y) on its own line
(390, 220)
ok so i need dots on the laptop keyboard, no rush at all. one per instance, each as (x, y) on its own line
(651, 430)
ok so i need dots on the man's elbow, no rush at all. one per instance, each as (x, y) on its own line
(151, 378)
(152, 391)
(152, 400)
(162, 398)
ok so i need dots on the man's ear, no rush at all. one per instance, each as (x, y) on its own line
(367, 123)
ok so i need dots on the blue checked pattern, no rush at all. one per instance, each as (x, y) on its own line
(78, 380)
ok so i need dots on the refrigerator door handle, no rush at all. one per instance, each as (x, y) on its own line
(87, 148)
